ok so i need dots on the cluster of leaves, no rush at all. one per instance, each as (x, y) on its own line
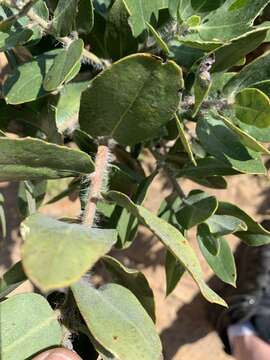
(165, 76)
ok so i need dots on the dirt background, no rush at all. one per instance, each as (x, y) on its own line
(182, 318)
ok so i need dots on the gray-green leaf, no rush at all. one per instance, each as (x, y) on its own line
(28, 325)
(64, 20)
(26, 84)
(63, 65)
(131, 114)
(130, 333)
(69, 249)
(172, 239)
(24, 159)
(255, 235)
(196, 208)
(252, 107)
(222, 263)
(222, 143)
(133, 280)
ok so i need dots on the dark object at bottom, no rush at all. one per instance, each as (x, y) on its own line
(251, 300)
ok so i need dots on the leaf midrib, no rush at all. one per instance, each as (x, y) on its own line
(136, 97)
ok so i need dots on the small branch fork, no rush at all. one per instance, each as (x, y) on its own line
(97, 184)
(160, 160)
(26, 10)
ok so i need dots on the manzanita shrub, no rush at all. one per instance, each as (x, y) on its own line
(90, 87)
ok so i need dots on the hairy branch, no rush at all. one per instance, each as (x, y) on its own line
(98, 182)
(46, 27)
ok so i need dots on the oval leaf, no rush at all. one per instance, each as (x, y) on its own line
(220, 225)
(130, 333)
(223, 144)
(252, 107)
(28, 325)
(67, 109)
(59, 244)
(172, 239)
(63, 65)
(222, 263)
(255, 235)
(85, 16)
(26, 84)
(210, 241)
(133, 280)
(64, 19)
(254, 73)
(130, 114)
(246, 139)
(23, 159)
(196, 208)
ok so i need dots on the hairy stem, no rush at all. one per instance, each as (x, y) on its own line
(97, 184)
(46, 27)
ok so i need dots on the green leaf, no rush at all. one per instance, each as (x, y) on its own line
(168, 209)
(26, 84)
(26, 159)
(160, 42)
(255, 235)
(131, 114)
(64, 20)
(186, 8)
(84, 141)
(260, 134)
(28, 325)
(118, 35)
(209, 240)
(130, 333)
(222, 143)
(127, 225)
(133, 280)
(253, 73)
(50, 241)
(63, 65)
(173, 241)
(140, 12)
(220, 225)
(13, 278)
(229, 54)
(85, 17)
(227, 23)
(184, 55)
(212, 182)
(206, 167)
(197, 207)
(202, 87)
(184, 140)
(222, 263)
(218, 82)
(245, 138)
(30, 196)
(174, 271)
(252, 107)
(68, 106)
(11, 39)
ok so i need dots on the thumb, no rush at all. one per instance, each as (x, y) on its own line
(58, 354)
